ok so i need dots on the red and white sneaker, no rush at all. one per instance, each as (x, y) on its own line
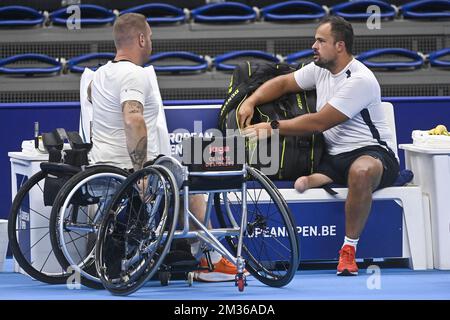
(223, 271)
(347, 265)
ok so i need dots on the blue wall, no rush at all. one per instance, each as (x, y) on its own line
(18, 124)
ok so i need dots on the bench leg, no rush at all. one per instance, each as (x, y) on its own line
(415, 228)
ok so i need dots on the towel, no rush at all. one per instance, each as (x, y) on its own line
(86, 106)
(424, 139)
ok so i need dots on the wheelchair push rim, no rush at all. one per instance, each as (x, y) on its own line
(19, 227)
(91, 226)
(148, 240)
(270, 245)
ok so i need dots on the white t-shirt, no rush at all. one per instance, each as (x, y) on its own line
(356, 93)
(114, 83)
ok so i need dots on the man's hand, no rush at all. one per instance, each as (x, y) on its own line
(245, 113)
(258, 131)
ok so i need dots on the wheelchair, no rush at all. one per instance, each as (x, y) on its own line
(75, 216)
(44, 244)
(256, 229)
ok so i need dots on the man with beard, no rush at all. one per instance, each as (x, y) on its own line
(351, 117)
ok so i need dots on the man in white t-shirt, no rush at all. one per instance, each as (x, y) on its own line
(125, 113)
(350, 115)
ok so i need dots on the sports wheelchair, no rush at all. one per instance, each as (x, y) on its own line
(58, 229)
(256, 230)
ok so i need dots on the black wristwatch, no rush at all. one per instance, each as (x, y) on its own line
(274, 124)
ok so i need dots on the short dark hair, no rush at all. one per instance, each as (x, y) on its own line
(127, 27)
(341, 29)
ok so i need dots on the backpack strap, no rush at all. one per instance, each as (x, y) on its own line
(329, 190)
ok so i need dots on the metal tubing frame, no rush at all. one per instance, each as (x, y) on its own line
(211, 237)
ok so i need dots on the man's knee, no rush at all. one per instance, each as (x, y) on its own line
(365, 177)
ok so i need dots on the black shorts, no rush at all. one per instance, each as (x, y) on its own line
(336, 167)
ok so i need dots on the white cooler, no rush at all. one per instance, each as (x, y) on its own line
(430, 162)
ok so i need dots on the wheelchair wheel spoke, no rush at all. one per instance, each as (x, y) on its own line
(270, 245)
(136, 233)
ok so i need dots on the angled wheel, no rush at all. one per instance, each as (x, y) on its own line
(76, 215)
(270, 245)
(137, 230)
(277, 191)
(29, 235)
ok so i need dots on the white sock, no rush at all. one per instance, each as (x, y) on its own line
(195, 251)
(350, 242)
(195, 248)
(215, 256)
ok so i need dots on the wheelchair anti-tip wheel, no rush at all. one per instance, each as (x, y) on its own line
(270, 245)
(137, 230)
(28, 232)
(76, 216)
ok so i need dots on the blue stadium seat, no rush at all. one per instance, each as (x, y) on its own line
(200, 63)
(55, 65)
(294, 57)
(357, 10)
(16, 16)
(293, 11)
(90, 15)
(224, 12)
(435, 58)
(159, 13)
(73, 64)
(219, 61)
(426, 9)
(416, 60)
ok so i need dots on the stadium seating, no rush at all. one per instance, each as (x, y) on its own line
(159, 13)
(415, 60)
(74, 63)
(426, 9)
(55, 65)
(190, 62)
(269, 29)
(183, 62)
(300, 55)
(436, 60)
(224, 12)
(357, 10)
(89, 15)
(293, 11)
(220, 62)
(19, 16)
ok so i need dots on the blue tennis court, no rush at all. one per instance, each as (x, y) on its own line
(393, 284)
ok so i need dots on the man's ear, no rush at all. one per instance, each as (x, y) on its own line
(340, 46)
(141, 40)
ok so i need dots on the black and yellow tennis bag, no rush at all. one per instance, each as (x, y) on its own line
(297, 156)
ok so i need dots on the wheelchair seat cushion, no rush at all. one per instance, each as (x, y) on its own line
(59, 169)
(178, 258)
(180, 255)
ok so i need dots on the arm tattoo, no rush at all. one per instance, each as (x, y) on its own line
(139, 154)
(132, 106)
